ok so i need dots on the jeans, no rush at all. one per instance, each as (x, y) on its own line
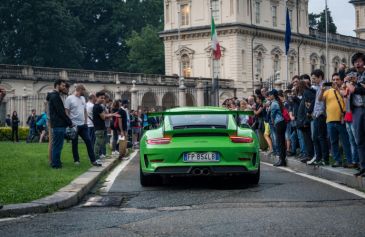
(91, 131)
(338, 130)
(293, 140)
(280, 128)
(306, 131)
(303, 149)
(58, 136)
(358, 116)
(102, 150)
(273, 136)
(115, 140)
(82, 131)
(31, 135)
(99, 142)
(351, 132)
(319, 137)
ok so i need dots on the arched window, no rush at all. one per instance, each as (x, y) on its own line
(314, 61)
(323, 63)
(185, 63)
(291, 66)
(276, 63)
(259, 63)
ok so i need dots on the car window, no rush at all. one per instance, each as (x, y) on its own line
(199, 121)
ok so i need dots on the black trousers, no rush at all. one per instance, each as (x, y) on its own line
(14, 132)
(280, 138)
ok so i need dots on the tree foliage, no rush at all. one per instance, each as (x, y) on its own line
(146, 51)
(318, 22)
(74, 33)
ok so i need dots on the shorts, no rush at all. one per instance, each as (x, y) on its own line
(267, 129)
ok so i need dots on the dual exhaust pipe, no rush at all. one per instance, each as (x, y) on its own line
(200, 171)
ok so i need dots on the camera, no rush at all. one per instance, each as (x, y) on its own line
(327, 84)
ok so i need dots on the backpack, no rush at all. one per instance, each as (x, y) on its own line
(286, 115)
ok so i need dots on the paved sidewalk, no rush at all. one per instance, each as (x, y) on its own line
(67, 196)
(339, 175)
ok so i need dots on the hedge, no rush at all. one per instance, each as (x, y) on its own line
(5, 133)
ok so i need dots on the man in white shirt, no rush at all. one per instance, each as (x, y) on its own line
(75, 106)
(90, 121)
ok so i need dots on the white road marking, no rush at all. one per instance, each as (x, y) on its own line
(325, 181)
(113, 175)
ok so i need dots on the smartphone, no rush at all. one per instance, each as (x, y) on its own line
(327, 84)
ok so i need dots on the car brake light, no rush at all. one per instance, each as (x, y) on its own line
(159, 141)
(237, 139)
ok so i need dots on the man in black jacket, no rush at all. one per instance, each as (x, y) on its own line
(58, 121)
(357, 90)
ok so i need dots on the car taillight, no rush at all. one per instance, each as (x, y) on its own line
(159, 141)
(237, 139)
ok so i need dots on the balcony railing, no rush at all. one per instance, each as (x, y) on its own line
(338, 39)
(25, 72)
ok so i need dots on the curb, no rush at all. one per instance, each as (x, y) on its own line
(66, 197)
(338, 175)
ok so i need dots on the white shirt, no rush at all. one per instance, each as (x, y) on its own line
(76, 106)
(89, 109)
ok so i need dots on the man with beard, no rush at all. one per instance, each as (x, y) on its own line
(75, 106)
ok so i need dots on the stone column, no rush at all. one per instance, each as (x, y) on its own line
(23, 114)
(200, 94)
(134, 98)
(182, 92)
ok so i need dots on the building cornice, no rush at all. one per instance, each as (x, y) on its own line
(315, 38)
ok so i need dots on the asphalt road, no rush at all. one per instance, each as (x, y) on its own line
(283, 204)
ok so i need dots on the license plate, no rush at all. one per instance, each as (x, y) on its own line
(201, 157)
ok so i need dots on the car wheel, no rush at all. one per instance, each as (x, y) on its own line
(254, 178)
(148, 180)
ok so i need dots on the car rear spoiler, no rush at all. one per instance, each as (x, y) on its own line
(191, 112)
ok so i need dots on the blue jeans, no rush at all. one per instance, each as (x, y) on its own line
(274, 140)
(338, 130)
(82, 131)
(31, 135)
(351, 132)
(358, 121)
(319, 137)
(58, 136)
(303, 149)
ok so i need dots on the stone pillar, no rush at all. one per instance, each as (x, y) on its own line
(134, 98)
(200, 94)
(182, 92)
(23, 114)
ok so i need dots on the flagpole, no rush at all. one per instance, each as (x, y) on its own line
(327, 58)
(178, 37)
(213, 96)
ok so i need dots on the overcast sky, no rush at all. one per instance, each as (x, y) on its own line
(343, 14)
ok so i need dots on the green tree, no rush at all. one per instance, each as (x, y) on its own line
(146, 51)
(318, 22)
(40, 33)
(332, 28)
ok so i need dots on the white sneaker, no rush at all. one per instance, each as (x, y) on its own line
(312, 161)
(116, 153)
(102, 156)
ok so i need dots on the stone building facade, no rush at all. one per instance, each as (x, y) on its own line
(251, 34)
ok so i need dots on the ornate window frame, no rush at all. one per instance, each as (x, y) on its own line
(336, 61)
(185, 58)
(314, 59)
(259, 54)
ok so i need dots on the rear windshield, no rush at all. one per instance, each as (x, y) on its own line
(199, 121)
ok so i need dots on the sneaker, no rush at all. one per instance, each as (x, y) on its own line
(125, 158)
(97, 163)
(102, 156)
(312, 161)
(336, 164)
(77, 163)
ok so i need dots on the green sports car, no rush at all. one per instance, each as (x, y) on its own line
(199, 141)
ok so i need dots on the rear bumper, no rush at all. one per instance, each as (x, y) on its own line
(202, 171)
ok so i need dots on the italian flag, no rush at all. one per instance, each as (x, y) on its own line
(215, 43)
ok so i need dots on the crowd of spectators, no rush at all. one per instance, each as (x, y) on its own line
(313, 118)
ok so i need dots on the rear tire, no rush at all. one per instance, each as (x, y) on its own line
(254, 179)
(148, 180)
